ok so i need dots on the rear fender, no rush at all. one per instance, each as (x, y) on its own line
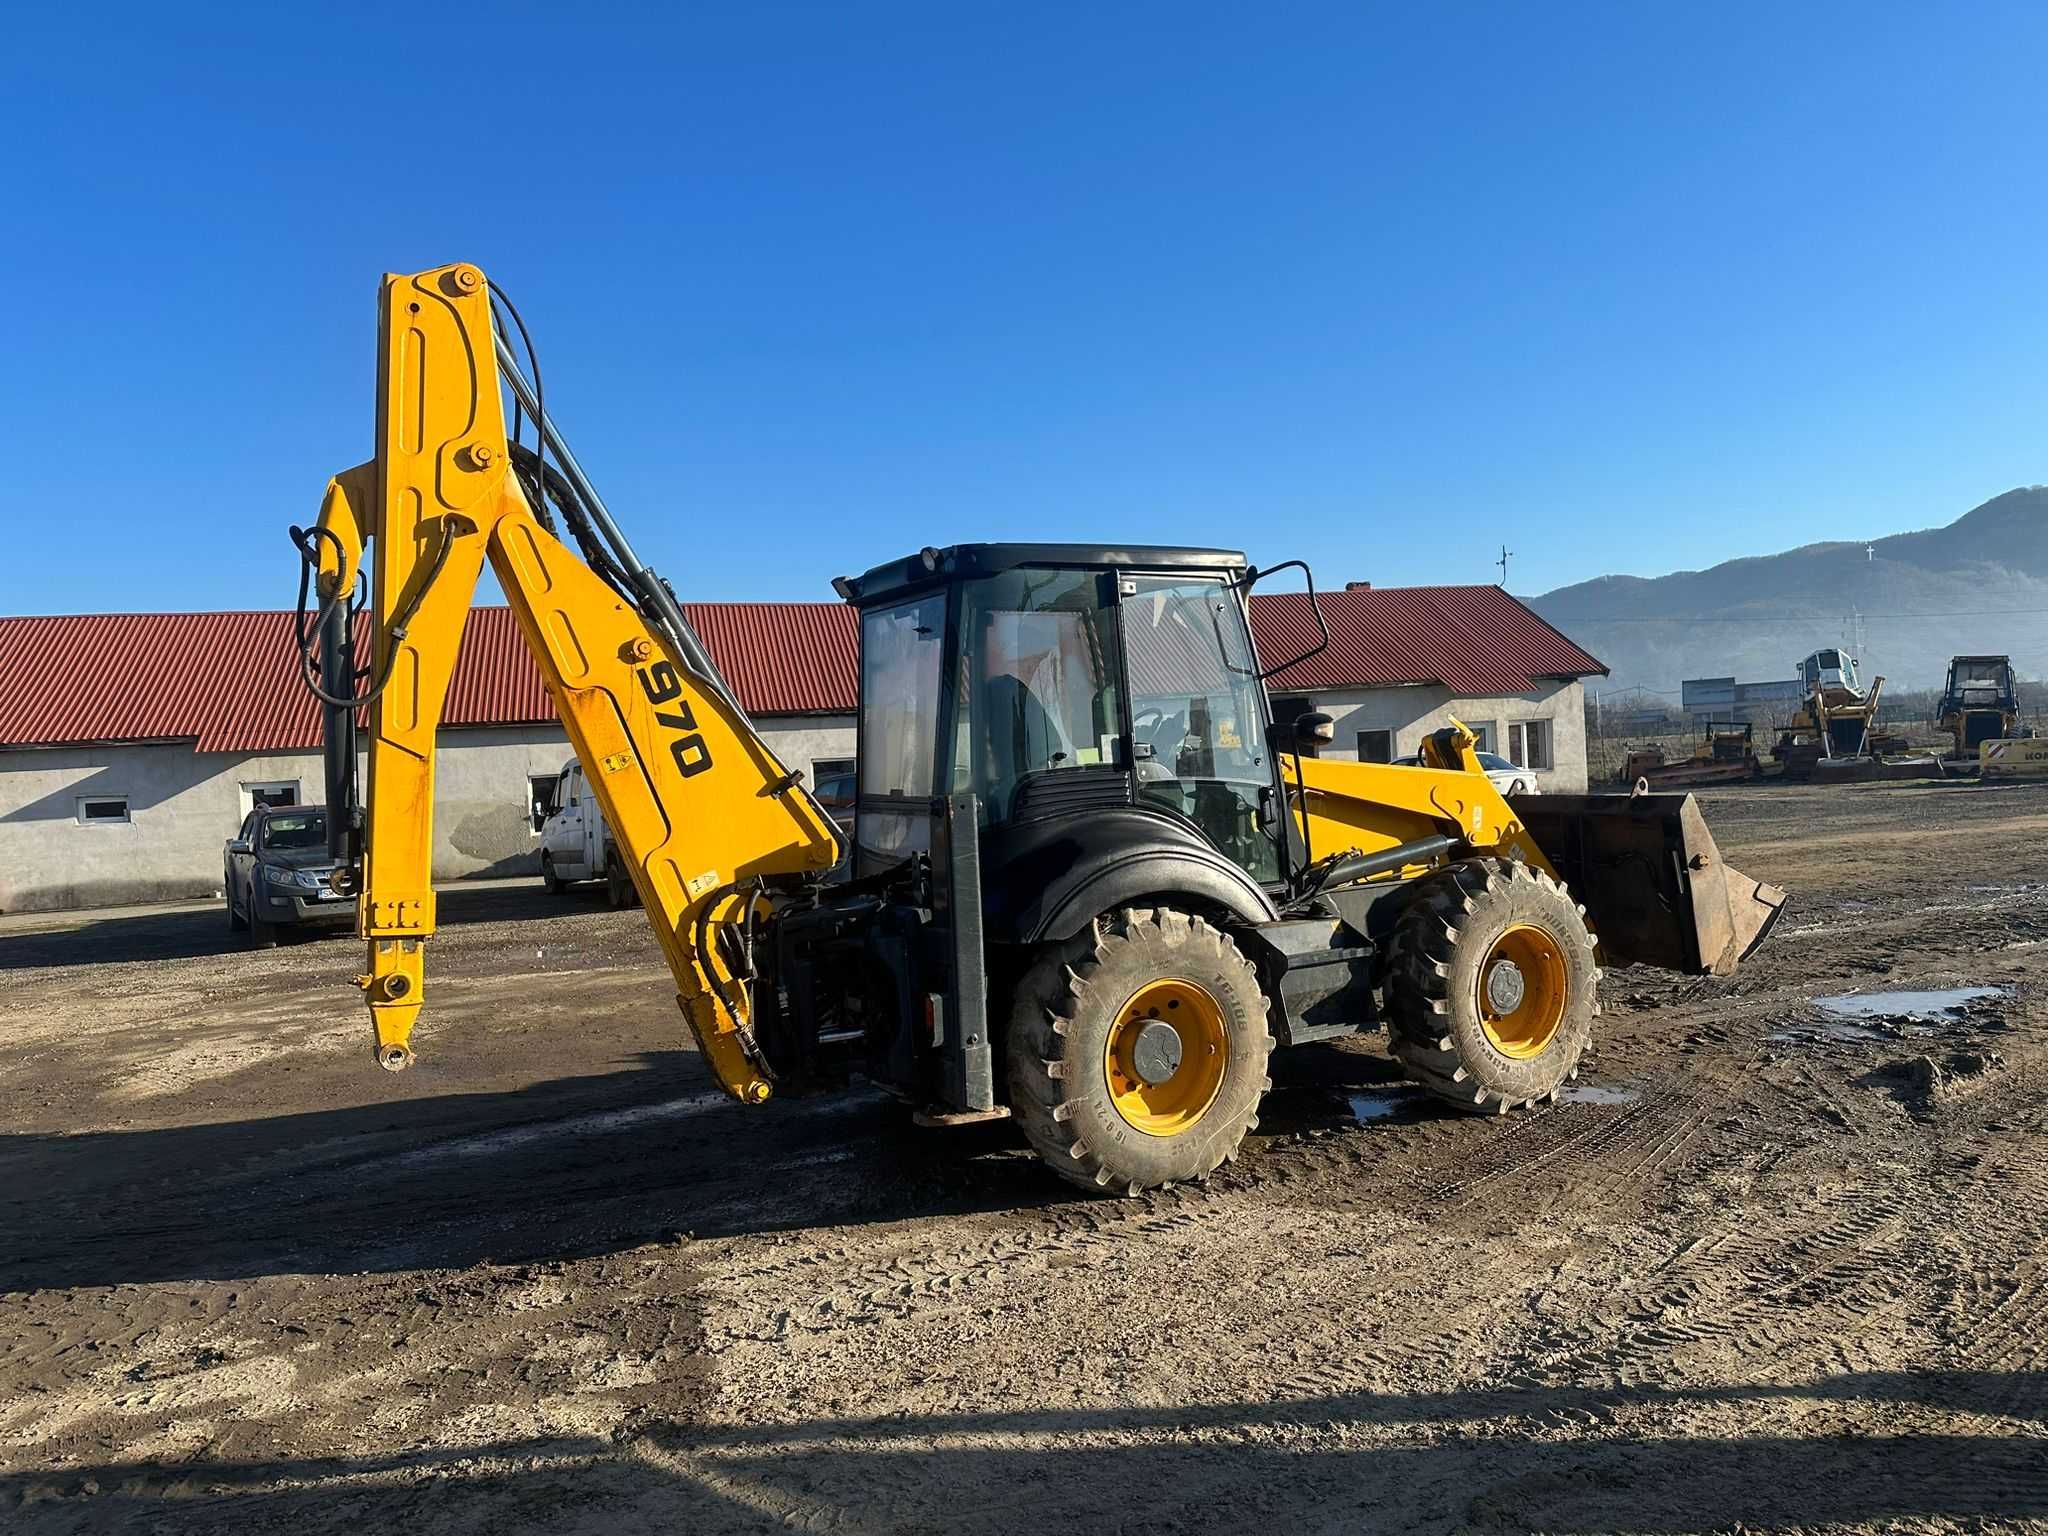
(1047, 879)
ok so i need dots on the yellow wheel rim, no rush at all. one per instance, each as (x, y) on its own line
(1165, 1057)
(1522, 990)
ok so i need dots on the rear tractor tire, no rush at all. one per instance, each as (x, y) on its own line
(1137, 1051)
(1492, 987)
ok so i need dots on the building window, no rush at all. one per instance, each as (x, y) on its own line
(102, 810)
(540, 800)
(1375, 746)
(1482, 736)
(1291, 706)
(277, 792)
(1529, 744)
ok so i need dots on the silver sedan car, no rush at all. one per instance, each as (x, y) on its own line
(1505, 776)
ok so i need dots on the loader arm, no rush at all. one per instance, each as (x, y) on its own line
(1644, 868)
(701, 811)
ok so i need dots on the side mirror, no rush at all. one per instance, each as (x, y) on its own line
(1313, 731)
(1254, 575)
(238, 845)
(1305, 734)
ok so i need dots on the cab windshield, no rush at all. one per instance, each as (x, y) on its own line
(303, 829)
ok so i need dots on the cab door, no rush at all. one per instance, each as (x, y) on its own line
(240, 858)
(564, 836)
(1198, 714)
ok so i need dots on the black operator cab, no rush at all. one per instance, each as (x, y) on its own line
(1103, 709)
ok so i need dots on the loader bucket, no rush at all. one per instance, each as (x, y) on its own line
(1651, 880)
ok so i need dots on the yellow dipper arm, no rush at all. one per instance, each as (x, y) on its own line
(697, 805)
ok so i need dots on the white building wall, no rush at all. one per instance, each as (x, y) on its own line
(1411, 713)
(183, 805)
(803, 741)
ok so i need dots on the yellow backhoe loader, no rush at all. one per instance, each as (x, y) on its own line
(1092, 882)
(1979, 703)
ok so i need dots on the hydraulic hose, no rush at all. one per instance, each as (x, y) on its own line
(309, 668)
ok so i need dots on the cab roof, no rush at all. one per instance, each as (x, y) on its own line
(965, 562)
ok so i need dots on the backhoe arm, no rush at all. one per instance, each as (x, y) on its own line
(699, 808)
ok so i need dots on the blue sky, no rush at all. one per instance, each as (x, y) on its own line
(1630, 288)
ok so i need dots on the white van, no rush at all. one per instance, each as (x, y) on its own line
(574, 844)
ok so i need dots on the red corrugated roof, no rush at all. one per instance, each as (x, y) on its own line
(1476, 641)
(784, 658)
(227, 681)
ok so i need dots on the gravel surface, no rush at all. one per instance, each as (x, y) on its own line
(1771, 1266)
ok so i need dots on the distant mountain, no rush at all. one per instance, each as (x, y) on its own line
(1918, 599)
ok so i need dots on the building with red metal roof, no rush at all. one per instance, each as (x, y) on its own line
(227, 682)
(132, 745)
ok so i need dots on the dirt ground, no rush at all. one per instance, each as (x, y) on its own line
(1767, 1269)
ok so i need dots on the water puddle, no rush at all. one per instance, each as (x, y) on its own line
(1596, 1093)
(1862, 1018)
(1392, 1103)
(1833, 1029)
(1384, 1105)
(1937, 1007)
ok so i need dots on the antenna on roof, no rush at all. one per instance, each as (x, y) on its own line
(1506, 554)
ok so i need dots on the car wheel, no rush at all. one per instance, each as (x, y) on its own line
(549, 878)
(262, 935)
(619, 890)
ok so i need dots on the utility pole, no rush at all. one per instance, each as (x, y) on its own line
(1502, 562)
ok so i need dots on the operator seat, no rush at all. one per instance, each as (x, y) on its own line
(1023, 735)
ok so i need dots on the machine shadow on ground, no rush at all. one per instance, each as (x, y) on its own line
(561, 1169)
(1204, 1466)
(118, 937)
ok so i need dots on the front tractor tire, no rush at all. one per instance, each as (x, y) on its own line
(1137, 1051)
(1492, 987)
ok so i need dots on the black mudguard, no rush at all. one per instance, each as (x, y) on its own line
(1046, 879)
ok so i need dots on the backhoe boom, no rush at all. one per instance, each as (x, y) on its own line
(702, 812)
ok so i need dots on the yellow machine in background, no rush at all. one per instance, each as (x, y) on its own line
(1979, 703)
(1093, 883)
(2019, 759)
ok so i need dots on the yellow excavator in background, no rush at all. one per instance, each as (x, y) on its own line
(1093, 882)
(1979, 703)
